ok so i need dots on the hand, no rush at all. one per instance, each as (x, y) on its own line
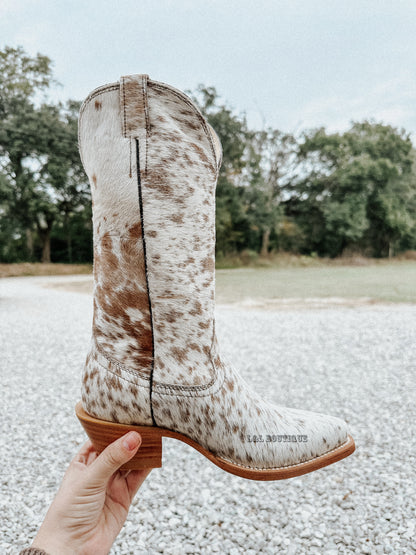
(93, 500)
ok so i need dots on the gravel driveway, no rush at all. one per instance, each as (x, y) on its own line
(357, 363)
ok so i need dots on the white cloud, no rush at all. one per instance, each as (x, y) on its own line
(390, 101)
(10, 7)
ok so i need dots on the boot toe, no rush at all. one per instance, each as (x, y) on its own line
(318, 434)
(278, 437)
(283, 437)
(236, 424)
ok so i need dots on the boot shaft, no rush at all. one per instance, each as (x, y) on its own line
(152, 161)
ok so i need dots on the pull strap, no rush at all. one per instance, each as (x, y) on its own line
(134, 108)
(135, 112)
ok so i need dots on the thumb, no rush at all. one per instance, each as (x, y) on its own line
(115, 455)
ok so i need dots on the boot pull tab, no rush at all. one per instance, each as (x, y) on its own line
(135, 112)
(134, 106)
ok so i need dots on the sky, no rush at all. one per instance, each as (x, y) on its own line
(292, 65)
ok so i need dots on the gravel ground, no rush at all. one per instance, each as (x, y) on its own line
(357, 363)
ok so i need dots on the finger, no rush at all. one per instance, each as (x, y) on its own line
(79, 461)
(84, 450)
(92, 455)
(83, 453)
(114, 455)
(135, 479)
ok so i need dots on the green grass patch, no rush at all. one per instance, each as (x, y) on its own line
(383, 281)
(39, 269)
(282, 277)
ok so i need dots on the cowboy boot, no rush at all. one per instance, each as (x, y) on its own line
(154, 364)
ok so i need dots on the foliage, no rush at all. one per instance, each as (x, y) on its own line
(322, 193)
(356, 188)
(231, 219)
(42, 182)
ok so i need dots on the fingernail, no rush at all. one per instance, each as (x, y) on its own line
(131, 441)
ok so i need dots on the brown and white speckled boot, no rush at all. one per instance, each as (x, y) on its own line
(154, 364)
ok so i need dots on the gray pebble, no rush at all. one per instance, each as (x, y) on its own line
(355, 363)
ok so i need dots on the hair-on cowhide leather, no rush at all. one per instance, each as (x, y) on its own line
(153, 161)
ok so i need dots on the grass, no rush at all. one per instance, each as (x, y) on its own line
(281, 278)
(391, 282)
(38, 269)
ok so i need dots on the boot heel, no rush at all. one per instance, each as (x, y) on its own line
(102, 433)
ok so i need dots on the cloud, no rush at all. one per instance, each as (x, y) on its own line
(10, 7)
(389, 101)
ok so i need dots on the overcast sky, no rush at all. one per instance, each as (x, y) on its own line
(290, 64)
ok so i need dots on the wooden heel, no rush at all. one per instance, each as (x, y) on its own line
(102, 433)
(149, 454)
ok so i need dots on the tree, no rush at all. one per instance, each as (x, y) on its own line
(20, 78)
(63, 182)
(355, 188)
(232, 226)
(42, 177)
(391, 183)
(272, 153)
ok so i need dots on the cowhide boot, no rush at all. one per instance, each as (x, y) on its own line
(154, 364)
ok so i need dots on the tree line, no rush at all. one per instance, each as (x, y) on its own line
(317, 193)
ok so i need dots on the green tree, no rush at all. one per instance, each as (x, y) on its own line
(21, 77)
(272, 155)
(63, 184)
(42, 178)
(355, 189)
(232, 225)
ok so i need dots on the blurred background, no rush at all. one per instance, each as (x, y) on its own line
(313, 103)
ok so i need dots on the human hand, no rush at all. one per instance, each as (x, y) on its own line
(93, 500)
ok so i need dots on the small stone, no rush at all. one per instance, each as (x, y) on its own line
(306, 533)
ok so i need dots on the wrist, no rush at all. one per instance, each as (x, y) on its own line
(52, 543)
(52, 547)
(33, 551)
